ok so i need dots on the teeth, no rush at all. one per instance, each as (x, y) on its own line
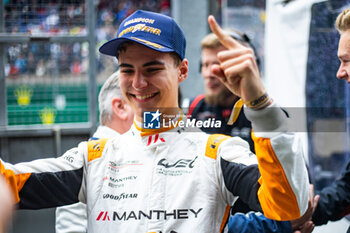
(142, 97)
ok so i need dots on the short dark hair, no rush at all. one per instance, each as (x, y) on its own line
(176, 57)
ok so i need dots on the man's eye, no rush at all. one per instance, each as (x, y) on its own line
(126, 71)
(153, 69)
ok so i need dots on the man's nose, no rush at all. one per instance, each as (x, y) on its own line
(139, 81)
(206, 71)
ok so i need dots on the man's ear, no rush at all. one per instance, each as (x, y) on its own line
(118, 107)
(183, 70)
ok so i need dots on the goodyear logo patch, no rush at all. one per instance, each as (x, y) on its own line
(140, 27)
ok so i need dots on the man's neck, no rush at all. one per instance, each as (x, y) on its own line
(117, 126)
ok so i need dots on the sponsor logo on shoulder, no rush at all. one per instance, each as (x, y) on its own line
(69, 155)
(69, 158)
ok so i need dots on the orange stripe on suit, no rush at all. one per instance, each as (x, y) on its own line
(16, 182)
(271, 169)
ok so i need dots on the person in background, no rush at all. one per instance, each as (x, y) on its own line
(116, 117)
(334, 202)
(217, 102)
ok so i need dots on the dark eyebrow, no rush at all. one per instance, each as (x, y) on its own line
(125, 65)
(152, 63)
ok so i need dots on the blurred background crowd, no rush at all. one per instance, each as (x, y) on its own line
(65, 17)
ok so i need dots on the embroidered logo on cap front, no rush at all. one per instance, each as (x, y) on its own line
(140, 27)
(137, 20)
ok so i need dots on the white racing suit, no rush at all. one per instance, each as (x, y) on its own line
(73, 218)
(171, 181)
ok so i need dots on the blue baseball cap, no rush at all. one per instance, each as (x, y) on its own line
(153, 30)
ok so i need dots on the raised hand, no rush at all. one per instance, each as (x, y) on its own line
(238, 69)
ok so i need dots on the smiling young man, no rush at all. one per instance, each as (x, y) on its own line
(149, 79)
(172, 179)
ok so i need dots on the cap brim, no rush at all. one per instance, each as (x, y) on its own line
(110, 47)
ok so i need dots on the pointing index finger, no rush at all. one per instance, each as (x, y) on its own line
(225, 39)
